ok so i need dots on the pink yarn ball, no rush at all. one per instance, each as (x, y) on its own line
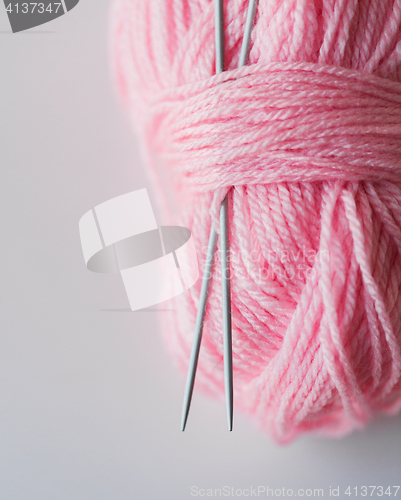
(307, 141)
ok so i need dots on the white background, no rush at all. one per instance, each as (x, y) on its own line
(90, 403)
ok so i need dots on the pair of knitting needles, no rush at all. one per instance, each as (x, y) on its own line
(224, 249)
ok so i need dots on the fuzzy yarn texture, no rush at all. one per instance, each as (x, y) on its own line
(306, 141)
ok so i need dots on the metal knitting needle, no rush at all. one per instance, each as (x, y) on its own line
(224, 247)
(226, 303)
(250, 17)
(224, 228)
(207, 272)
(226, 297)
(200, 318)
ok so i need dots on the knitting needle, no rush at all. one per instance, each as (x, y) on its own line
(250, 17)
(226, 304)
(200, 318)
(193, 362)
(224, 229)
(207, 272)
(219, 35)
(224, 247)
(224, 244)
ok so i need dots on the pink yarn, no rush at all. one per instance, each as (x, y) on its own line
(307, 141)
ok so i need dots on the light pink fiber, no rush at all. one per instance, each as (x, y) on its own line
(307, 141)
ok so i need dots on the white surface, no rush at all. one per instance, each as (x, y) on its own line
(124, 216)
(90, 401)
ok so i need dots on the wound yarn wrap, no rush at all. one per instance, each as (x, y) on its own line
(306, 141)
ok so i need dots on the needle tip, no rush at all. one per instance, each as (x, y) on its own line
(184, 423)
